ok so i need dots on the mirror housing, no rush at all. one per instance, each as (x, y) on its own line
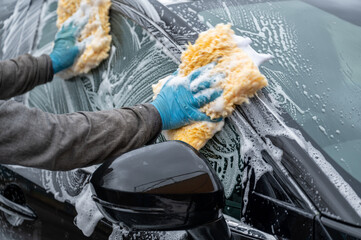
(165, 186)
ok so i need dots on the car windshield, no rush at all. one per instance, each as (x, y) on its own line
(315, 76)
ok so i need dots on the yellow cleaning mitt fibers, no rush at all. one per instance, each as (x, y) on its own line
(242, 80)
(95, 35)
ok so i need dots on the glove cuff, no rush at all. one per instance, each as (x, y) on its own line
(54, 63)
(161, 112)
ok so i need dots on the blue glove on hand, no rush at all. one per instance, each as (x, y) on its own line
(65, 50)
(179, 100)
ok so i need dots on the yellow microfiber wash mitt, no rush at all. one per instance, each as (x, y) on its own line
(95, 34)
(237, 60)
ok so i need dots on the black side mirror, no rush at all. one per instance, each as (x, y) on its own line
(166, 186)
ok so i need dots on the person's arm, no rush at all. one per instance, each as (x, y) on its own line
(17, 76)
(31, 137)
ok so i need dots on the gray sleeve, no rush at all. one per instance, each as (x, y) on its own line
(31, 137)
(17, 76)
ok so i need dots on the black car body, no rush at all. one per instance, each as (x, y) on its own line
(289, 161)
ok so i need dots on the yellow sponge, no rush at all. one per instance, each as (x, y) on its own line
(242, 81)
(95, 34)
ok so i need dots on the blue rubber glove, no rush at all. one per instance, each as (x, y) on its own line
(180, 98)
(65, 49)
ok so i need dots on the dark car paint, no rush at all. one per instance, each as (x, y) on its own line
(276, 207)
(291, 214)
(55, 219)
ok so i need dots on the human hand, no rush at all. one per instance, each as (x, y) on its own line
(65, 48)
(180, 98)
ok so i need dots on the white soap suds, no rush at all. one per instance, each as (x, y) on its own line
(228, 12)
(81, 16)
(168, 2)
(205, 75)
(88, 213)
(246, 229)
(245, 45)
(118, 233)
(322, 129)
(52, 182)
(206, 93)
(337, 180)
(201, 18)
(251, 153)
(178, 80)
(218, 127)
(218, 105)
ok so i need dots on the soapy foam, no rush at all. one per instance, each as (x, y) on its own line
(245, 45)
(88, 213)
(167, 2)
(119, 233)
